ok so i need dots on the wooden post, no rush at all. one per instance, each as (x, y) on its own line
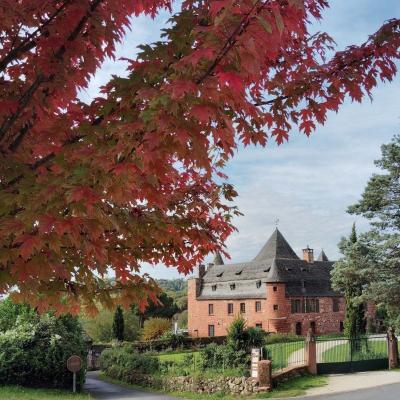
(311, 352)
(393, 350)
(264, 375)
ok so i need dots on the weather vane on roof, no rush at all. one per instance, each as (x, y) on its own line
(276, 222)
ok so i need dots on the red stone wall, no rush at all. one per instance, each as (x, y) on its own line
(326, 321)
(199, 319)
(272, 320)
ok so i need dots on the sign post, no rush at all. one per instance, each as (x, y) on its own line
(74, 364)
(255, 358)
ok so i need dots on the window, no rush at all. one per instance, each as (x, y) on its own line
(275, 288)
(258, 284)
(259, 325)
(296, 306)
(220, 274)
(310, 306)
(238, 272)
(210, 309)
(214, 288)
(276, 307)
(242, 308)
(298, 328)
(313, 327)
(230, 308)
(258, 306)
(232, 286)
(341, 326)
(211, 330)
(335, 305)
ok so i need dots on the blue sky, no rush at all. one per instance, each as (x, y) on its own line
(306, 183)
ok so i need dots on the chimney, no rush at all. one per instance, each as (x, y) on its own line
(308, 255)
(201, 271)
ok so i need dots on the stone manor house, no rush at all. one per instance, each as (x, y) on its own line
(276, 291)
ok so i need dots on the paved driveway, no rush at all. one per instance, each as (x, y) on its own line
(107, 391)
(385, 392)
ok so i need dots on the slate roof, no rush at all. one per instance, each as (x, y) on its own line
(275, 263)
(322, 257)
(218, 259)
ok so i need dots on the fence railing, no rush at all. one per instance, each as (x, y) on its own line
(286, 354)
(353, 349)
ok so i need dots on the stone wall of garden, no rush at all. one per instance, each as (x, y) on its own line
(228, 385)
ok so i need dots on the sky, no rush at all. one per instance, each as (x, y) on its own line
(307, 183)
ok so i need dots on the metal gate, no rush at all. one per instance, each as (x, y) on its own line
(352, 355)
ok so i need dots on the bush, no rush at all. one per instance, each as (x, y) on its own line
(282, 338)
(35, 350)
(221, 357)
(155, 327)
(242, 338)
(121, 362)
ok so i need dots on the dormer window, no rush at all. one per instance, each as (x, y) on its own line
(258, 284)
(238, 272)
(232, 286)
(220, 274)
(214, 288)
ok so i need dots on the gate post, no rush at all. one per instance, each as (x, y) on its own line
(264, 375)
(393, 351)
(311, 352)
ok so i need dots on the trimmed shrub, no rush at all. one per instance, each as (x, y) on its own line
(154, 328)
(221, 357)
(35, 350)
(121, 362)
(282, 338)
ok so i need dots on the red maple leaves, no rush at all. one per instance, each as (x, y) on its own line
(135, 176)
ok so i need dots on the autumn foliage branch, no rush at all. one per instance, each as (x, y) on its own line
(137, 175)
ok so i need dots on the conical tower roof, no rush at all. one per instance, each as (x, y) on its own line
(218, 259)
(276, 247)
(322, 256)
(273, 274)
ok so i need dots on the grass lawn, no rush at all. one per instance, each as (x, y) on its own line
(20, 393)
(294, 387)
(176, 357)
(341, 352)
(280, 353)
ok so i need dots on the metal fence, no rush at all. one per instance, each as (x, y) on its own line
(354, 354)
(287, 354)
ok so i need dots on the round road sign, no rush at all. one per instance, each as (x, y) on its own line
(74, 363)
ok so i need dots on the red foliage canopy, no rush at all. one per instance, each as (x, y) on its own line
(136, 176)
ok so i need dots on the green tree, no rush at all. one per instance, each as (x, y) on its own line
(380, 204)
(164, 308)
(348, 277)
(118, 324)
(100, 327)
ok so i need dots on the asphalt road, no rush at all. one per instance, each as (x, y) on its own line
(107, 391)
(386, 392)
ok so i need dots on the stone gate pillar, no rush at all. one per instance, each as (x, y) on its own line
(311, 352)
(264, 375)
(393, 350)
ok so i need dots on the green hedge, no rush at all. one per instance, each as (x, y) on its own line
(121, 362)
(35, 350)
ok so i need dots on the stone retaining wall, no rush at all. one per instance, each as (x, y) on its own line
(289, 373)
(228, 385)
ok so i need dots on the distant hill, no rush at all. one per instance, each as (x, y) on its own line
(177, 289)
(173, 285)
